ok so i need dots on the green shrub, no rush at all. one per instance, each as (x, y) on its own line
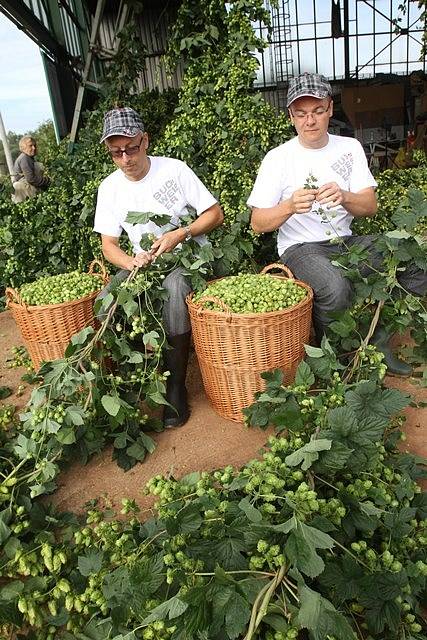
(393, 185)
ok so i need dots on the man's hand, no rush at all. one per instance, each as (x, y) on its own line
(330, 194)
(142, 259)
(302, 199)
(167, 242)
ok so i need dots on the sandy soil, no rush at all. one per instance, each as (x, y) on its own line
(206, 442)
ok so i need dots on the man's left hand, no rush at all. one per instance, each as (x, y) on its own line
(330, 194)
(167, 242)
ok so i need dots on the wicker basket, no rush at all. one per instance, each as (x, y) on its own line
(234, 349)
(47, 329)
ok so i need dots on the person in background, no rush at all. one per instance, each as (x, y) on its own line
(28, 174)
(310, 189)
(162, 186)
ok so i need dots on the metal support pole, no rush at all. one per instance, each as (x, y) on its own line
(346, 42)
(121, 21)
(49, 89)
(3, 138)
(79, 101)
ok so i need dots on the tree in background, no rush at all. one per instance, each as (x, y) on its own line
(47, 145)
(13, 139)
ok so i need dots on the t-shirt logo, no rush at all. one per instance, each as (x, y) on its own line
(167, 194)
(344, 166)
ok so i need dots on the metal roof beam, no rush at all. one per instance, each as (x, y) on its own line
(93, 37)
(70, 14)
(25, 20)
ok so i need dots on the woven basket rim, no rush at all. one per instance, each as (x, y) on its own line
(271, 314)
(58, 305)
(13, 298)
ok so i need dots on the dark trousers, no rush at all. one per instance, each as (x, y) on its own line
(176, 320)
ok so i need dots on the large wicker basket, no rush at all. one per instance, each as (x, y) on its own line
(47, 329)
(234, 349)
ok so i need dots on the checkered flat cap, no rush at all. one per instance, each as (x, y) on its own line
(308, 84)
(122, 122)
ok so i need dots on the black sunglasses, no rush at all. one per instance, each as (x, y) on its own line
(129, 151)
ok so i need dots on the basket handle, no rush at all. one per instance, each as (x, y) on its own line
(95, 262)
(12, 295)
(278, 265)
(215, 300)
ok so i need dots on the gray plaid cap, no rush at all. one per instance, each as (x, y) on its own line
(122, 122)
(308, 84)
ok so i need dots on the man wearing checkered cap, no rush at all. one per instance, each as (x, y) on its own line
(162, 186)
(310, 189)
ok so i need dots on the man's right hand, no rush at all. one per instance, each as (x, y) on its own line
(141, 260)
(302, 199)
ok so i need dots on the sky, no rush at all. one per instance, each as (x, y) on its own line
(24, 97)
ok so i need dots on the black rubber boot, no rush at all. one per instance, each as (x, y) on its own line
(175, 360)
(395, 366)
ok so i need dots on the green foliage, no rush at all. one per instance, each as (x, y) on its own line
(47, 146)
(258, 552)
(398, 310)
(285, 546)
(322, 537)
(221, 128)
(13, 139)
(393, 190)
(196, 261)
(128, 64)
(50, 233)
(419, 157)
(93, 395)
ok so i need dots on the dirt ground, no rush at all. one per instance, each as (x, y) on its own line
(206, 442)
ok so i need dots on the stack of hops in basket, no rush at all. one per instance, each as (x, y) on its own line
(64, 287)
(252, 293)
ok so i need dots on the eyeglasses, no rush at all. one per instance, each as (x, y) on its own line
(129, 151)
(317, 113)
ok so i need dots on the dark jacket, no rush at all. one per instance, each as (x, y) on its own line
(24, 168)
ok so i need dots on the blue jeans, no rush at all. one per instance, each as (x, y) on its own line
(311, 263)
(176, 320)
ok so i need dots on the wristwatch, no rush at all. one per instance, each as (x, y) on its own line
(188, 235)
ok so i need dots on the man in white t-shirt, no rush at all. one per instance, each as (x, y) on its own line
(162, 186)
(310, 189)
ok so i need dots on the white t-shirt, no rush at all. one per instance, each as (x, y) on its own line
(169, 186)
(288, 168)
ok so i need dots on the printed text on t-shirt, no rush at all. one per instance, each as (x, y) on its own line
(167, 194)
(344, 165)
